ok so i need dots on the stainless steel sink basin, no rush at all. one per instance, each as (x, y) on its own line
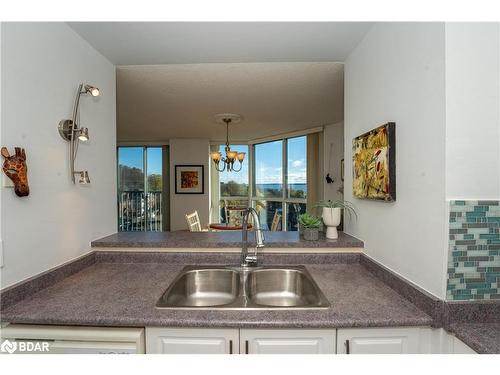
(280, 287)
(269, 288)
(203, 287)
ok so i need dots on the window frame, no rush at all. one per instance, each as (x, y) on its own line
(251, 198)
(165, 207)
(284, 174)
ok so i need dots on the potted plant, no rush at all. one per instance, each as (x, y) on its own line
(331, 215)
(311, 225)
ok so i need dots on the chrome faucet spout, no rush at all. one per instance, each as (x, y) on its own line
(246, 259)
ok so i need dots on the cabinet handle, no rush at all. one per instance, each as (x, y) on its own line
(230, 346)
(246, 346)
(347, 349)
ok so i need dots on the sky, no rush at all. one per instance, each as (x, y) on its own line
(268, 161)
(133, 157)
(268, 158)
(297, 160)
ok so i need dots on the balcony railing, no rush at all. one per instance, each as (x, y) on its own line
(138, 211)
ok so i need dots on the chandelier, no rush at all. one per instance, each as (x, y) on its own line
(227, 163)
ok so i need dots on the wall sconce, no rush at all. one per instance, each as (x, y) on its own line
(71, 131)
(83, 134)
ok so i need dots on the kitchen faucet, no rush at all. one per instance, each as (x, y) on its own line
(250, 260)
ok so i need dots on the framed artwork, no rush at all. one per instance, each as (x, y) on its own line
(189, 179)
(374, 164)
(342, 169)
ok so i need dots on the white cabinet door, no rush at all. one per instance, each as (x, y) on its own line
(287, 341)
(380, 340)
(191, 341)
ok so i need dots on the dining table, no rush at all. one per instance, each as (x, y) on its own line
(227, 226)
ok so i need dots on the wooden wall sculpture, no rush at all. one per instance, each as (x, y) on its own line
(16, 169)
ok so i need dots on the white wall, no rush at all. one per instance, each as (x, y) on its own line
(397, 74)
(333, 153)
(1, 143)
(472, 111)
(42, 65)
(188, 151)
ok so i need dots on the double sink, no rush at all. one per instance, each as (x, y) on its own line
(226, 287)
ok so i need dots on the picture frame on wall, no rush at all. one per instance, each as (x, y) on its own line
(189, 179)
(374, 164)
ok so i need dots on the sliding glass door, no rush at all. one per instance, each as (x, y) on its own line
(142, 189)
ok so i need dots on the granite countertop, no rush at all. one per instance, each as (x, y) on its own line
(484, 338)
(125, 294)
(185, 239)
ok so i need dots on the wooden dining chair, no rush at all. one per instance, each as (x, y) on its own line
(276, 221)
(226, 211)
(194, 224)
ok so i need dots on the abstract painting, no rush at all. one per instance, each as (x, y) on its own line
(189, 179)
(374, 164)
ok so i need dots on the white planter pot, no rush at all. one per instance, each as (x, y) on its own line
(331, 218)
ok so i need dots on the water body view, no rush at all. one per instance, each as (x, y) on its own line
(233, 188)
(296, 190)
(301, 186)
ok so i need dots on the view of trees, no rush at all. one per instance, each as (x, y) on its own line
(155, 182)
(269, 190)
(132, 179)
(233, 189)
(297, 193)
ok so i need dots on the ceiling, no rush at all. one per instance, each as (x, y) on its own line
(173, 77)
(146, 43)
(157, 103)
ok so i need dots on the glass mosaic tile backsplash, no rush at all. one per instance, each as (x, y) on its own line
(474, 248)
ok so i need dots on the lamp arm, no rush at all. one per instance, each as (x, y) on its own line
(73, 143)
(223, 168)
(76, 106)
(237, 170)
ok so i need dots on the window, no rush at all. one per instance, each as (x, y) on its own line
(267, 211)
(277, 190)
(234, 188)
(293, 210)
(140, 189)
(297, 167)
(235, 184)
(269, 169)
(280, 205)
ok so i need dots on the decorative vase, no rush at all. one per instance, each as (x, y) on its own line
(331, 218)
(311, 234)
